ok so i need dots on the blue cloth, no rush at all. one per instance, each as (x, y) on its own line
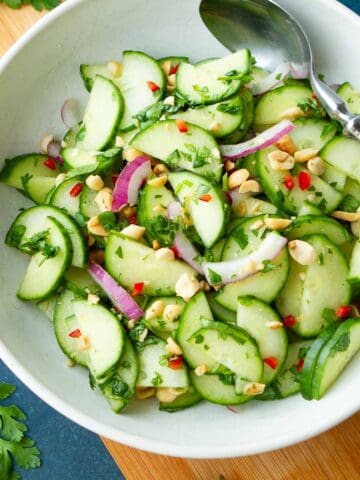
(353, 4)
(68, 452)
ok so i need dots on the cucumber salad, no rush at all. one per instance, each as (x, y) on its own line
(195, 234)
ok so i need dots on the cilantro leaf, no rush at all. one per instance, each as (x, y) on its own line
(214, 277)
(6, 390)
(341, 345)
(241, 238)
(157, 380)
(11, 428)
(312, 107)
(15, 235)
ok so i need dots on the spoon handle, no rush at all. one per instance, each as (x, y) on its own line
(336, 107)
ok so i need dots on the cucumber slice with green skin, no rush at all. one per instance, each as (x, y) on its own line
(196, 315)
(31, 221)
(174, 60)
(70, 135)
(204, 84)
(247, 119)
(18, 170)
(121, 387)
(43, 275)
(154, 370)
(158, 226)
(354, 273)
(138, 263)
(220, 119)
(265, 286)
(195, 150)
(213, 254)
(61, 197)
(272, 104)
(311, 133)
(334, 177)
(210, 215)
(214, 390)
(344, 154)
(253, 316)
(290, 201)
(250, 164)
(105, 335)
(48, 305)
(187, 399)
(90, 72)
(351, 97)
(88, 207)
(309, 299)
(335, 355)
(287, 383)
(351, 196)
(311, 358)
(75, 158)
(38, 188)
(81, 283)
(308, 208)
(220, 313)
(66, 322)
(314, 224)
(161, 327)
(102, 116)
(244, 205)
(231, 347)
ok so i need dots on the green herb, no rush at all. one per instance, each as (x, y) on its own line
(214, 277)
(321, 258)
(14, 446)
(206, 347)
(202, 189)
(349, 203)
(92, 380)
(154, 112)
(25, 180)
(241, 238)
(199, 338)
(38, 243)
(119, 252)
(157, 380)
(322, 204)
(173, 159)
(280, 197)
(330, 129)
(312, 107)
(37, 4)
(162, 228)
(232, 108)
(341, 345)
(321, 77)
(203, 92)
(108, 221)
(125, 364)
(278, 76)
(245, 301)
(227, 378)
(268, 266)
(329, 315)
(302, 352)
(120, 388)
(80, 219)
(15, 235)
(163, 360)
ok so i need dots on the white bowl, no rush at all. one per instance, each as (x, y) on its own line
(37, 74)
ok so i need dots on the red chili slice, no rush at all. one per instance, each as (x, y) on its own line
(175, 250)
(138, 288)
(206, 197)
(75, 333)
(75, 191)
(344, 311)
(289, 182)
(289, 321)
(181, 125)
(300, 365)
(174, 69)
(50, 163)
(154, 87)
(175, 362)
(304, 180)
(272, 362)
(133, 220)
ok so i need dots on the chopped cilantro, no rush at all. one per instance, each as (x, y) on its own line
(120, 388)
(15, 235)
(119, 252)
(232, 108)
(329, 315)
(157, 380)
(108, 221)
(312, 107)
(240, 237)
(25, 180)
(214, 277)
(349, 203)
(203, 92)
(38, 243)
(199, 338)
(341, 345)
(37, 4)
(268, 266)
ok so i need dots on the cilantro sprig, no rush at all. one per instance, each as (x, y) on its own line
(15, 447)
(37, 4)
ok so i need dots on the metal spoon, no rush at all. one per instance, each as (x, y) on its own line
(273, 36)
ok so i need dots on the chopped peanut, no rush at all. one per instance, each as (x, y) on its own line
(186, 286)
(165, 254)
(346, 216)
(302, 252)
(355, 228)
(95, 227)
(83, 343)
(104, 200)
(256, 225)
(130, 154)
(159, 209)
(277, 223)
(143, 393)
(316, 166)
(134, 231)
(168, 395)
(291, 113)
(160, 169)
(131, 323)
(172, 312)
(93, 299)
(250, 186)
(95, 182)
(274, 325)
(172, 80)
(169, 100)
(278, 156)
(200, 370)
(254, 388)
(305, 154)
(156, 244)
(166, 67)
(172, 347)
(238, 177)
(241, 209)
(214, 127)
(281, 160)
(158, 182)
(155, 310)
(286, 144)
(229, 165)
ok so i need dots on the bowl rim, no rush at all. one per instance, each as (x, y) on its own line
(136, 441)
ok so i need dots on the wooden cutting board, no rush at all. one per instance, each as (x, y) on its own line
(331, 456)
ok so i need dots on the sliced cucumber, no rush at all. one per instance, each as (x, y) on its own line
(287, 383)
(213, 254)
(65, 322)
(311, 133)
(106, 338)
(334, 177)
(220, 313)
(196, 150)
(69, 139)
(231, 347)
(44, 274)
(312, 224)
(250, 164)
(321, 193)
(243, 240)
(38, 188)
(213, 389)
(196, 315)
(79, 281)
(335, 355)
(354, 273)
(90, 72)
(31, 221)
(272, 104)
(254, 316)
(47, 306)
(187, 399)
(351, 97)
(154, 370)
(17, 171)
(308, 208)
(247, 120)
(310, 295)
(92, 161)
(159, 325)
(102, 116)
(204, 84)
(158, 226)
(62, 197)
(244, 205)
(209, 215)
(351, 196)
(220, 119)
(121, 387)
(173, 60)
(311, 358)
(344, 154)
(138, 263)
(87, 206)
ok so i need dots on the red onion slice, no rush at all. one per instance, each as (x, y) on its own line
(235, 270)
(121, 299)
(128, 183)
(187, 251)
(70, 113)
(271, 81)
(300, 71)
(263, 140)
(174, 210)
(54, 149)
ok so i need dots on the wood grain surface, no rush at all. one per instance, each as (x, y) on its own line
(334, 455)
